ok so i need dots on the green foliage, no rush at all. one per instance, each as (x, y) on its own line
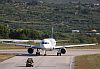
(24, 34)
(32, 19)
(4, 31)
(37, 15)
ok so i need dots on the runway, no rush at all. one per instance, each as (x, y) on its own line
(51, 61)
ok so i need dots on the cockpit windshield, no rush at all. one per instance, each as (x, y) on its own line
(45, 43)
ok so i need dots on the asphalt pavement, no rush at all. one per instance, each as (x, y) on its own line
(51, 61)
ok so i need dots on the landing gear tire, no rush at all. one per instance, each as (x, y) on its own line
(37, 53)
(32, 66)
(58, 54)
(45, 54)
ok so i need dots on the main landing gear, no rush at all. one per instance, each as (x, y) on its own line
(59, 52)
(37, 53)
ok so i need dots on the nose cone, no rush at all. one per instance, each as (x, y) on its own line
(46, 43)
(46, 46)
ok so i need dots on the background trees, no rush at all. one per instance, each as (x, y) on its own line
(23, 19)
(6, 32)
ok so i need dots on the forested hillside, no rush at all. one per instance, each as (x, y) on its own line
(67, 1)
(39, 15)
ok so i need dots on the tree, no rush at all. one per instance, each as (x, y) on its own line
(4, 31)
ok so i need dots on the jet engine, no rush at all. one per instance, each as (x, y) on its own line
(63, 51)
(30, 50)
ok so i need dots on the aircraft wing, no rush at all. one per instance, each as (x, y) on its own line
(31, 46)
(68, 46)
(15, 40)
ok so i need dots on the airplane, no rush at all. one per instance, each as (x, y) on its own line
(49, 44)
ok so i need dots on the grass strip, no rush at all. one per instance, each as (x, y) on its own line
(10, 46)
(5, 56)
(87, 47)
(87, 62)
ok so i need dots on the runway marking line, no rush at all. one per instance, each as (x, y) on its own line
(38, 61)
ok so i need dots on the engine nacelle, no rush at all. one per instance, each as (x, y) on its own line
(63, 51)
(30, 50)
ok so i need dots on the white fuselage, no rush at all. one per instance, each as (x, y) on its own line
(48, 44)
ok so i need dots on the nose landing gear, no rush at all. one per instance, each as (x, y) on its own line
(45, 53)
